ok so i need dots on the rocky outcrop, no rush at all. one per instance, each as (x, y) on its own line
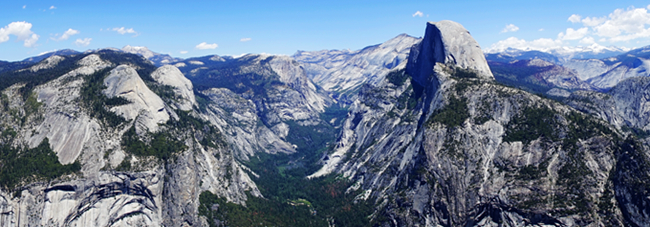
(171, 76)
(342, 72)
(124, 82)
(449, 147)
(253, 99)
(114, 187)
(626, 106)
(47, 63)
(446, 42)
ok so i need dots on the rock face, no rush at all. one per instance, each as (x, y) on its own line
(440, 144)
(145, 105)
(254, 98)
(538, 76)
(627, 105)
(342, 72)
(446, 42)
(171, 76)
(114, 186)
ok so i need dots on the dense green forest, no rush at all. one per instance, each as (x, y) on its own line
(20, 165)
(290, 199)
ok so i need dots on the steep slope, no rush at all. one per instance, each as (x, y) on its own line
(110, 149)
(342, 72)
(626, 106)
(607, 72)
(538, 76)
(259, 100)
(441, 144)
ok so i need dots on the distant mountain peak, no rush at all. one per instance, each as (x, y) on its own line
(565, 53)
(141, 50)
(157, 58)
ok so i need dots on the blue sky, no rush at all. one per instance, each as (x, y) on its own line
(197, 28)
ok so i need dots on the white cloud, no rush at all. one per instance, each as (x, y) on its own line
(593, 21)
(66, 35)
(123, 31)
(183, 52)
(24, 6)
(541, 30)
(206, 46)
(573, 34)
(20, 29)
(575, 18)
(418, 14)
(510, 28)
(513, 42)
(245, 39)
(588, 40)
(52, 7)
(83, 42)
(622, 24)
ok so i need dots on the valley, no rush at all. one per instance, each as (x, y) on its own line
(426, 131)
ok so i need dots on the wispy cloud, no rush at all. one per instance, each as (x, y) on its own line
(245, 39)
(183, 52)
(83, 42)
(24, 6)
(53, 7)
(510, 28)
(66, 35)
(123, 31)
(20, 29)
(418, 14)
(206, 46)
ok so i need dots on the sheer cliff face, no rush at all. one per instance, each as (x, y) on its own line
(446, 42)
(439, 143)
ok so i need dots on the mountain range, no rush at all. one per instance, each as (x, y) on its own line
(425, 131)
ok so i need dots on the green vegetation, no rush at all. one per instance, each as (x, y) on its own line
(257, 212)
(463, 73)
(453, 114)
(520, 75)
(532, 123)
(92, 98)
(290, 201)
(230, 75)
(572, 174)
(40, 163)
(398, 78)
(160, 146)
(32, 79)
(207, 134)
(141, 65)
(334, 112)
(532, 172)
(583, 127)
